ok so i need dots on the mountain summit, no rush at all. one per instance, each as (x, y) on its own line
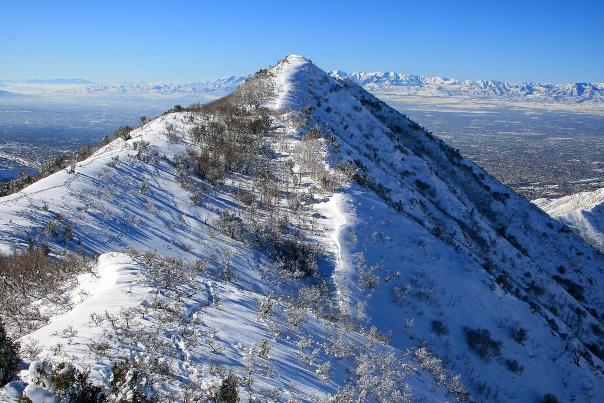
(298, 240)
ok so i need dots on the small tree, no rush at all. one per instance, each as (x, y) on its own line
(123, 132)
(9, 360)
(520, 334)
(227, 393)
(170, 131)
(144, 186)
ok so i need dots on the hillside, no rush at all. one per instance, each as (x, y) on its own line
(306, 242)
(582, 212)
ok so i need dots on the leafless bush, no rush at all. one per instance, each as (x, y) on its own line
(168, 273)
(170, 131)
(32, 287)
(229, 223)
(296, 256)
(244, 197)
(399, 294)
(255, 90)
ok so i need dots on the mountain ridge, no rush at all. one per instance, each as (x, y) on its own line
(355, 242)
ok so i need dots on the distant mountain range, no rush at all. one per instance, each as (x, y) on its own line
(403, 84)
(57, 81)
(46, 81)
(220, 85)
(395, 84)
(383, 84)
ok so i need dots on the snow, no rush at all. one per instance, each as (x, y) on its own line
(582, 212)
(394, 262)
(38, 394)
(11, 391)
(569, 204)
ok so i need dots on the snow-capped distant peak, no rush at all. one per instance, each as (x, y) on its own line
(338, 73)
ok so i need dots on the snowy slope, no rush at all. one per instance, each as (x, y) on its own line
(104, 203)
(454, 191)
(425, 262)
(582, 212)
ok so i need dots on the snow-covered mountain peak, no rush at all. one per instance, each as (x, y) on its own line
(337, 73)
(296, 59)
(295, 78)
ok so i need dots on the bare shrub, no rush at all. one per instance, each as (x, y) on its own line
(294, 255)
(481, 343)
(399, 294)
(520, 334)
(31, 275)
(229, 223)
(9, 360)
(245, 197)
(550, 398)
(130, 383)
(440, 328)
(170, 131)
(514, 366)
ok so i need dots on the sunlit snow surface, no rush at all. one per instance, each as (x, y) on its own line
(583, 212)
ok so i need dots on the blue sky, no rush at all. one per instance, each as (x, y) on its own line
(116, 41)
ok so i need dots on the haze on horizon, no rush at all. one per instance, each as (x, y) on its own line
(133, 41)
